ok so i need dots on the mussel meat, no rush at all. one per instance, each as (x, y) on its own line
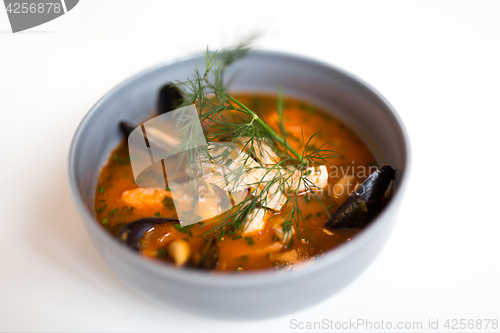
(132, 233)
(364, 203)
(208, 257)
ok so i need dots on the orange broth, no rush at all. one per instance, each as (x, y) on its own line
(300, 119)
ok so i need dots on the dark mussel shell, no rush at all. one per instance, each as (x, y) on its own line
(126, 128)
(169, 98)
(132, 233)
(365, 203)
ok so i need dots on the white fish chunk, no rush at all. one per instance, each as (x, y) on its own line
(315, 178)
(278, 231)
(263, 153)
(255, 221)
(239, 172)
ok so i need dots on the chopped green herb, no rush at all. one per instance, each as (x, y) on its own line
(237, 237)
(105, 220)
(157, 214)
(132, 208)
(318, 214)
(183, 229)
(307, 108)
(101, 189)
(249, 241)
(98, 210)
(161, 253)
(308, 217)
(308, 172)
(120, 160)
(168, 202)
(330, 206)
(222, 234)
(113, 211)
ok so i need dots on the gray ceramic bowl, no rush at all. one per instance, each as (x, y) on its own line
(250, 295)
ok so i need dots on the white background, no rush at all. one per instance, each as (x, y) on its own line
(436, 62)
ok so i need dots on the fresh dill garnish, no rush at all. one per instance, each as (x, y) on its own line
(226, 119)
(113, 211)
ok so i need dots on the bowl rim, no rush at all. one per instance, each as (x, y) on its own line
(249, 278)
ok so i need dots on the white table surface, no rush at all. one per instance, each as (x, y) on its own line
(436, 62)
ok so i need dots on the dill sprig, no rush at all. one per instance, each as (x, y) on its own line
(228, 120)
